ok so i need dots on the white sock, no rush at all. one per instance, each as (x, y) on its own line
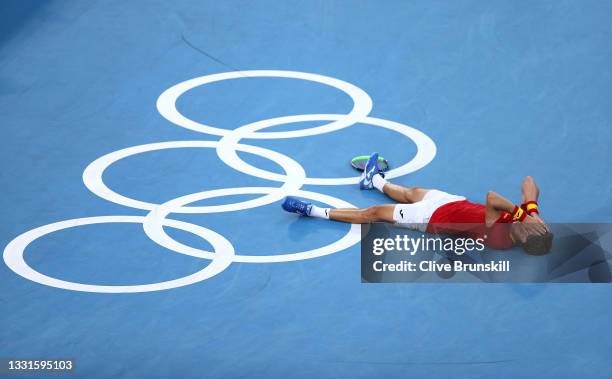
(379, 182)
(319, 212)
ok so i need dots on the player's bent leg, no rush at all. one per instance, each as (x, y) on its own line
(376, 213)
(406, 195)
(401, 194)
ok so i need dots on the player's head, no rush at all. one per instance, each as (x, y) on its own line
(533, 244)
(538, 244)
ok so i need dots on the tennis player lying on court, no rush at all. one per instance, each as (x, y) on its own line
(503, 223)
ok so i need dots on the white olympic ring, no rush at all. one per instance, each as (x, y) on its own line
(166, 103)
(13, 256)
(92, 176)
(226, 148)
(154, 226)
(426, 148)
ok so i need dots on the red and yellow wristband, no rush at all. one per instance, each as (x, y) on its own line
(530, 207)
(518, 214)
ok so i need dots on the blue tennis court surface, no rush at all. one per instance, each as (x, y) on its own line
(464, 96)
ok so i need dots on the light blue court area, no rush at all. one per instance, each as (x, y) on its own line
(465, 96)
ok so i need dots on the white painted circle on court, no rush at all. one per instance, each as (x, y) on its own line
(14, 256)
(93, 176)
(154, 226)
(426, 148)
(166, 103)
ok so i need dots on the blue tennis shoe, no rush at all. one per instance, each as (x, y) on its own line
(295, 205)
(370, 169)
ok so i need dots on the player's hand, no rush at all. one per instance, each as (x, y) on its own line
(535, 224)
(537, 217)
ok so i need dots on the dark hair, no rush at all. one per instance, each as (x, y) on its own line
(538, 244)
